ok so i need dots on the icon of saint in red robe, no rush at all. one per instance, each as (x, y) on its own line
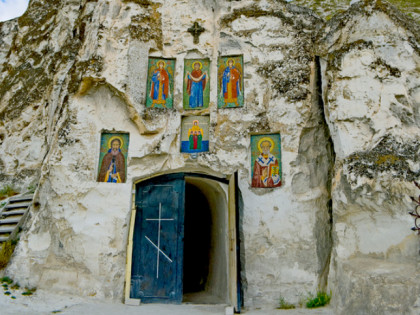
(159, 90)
(266, 167)
(231, 83)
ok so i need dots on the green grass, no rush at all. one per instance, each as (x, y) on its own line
(321, 299)
(29, 291)
(15, 286)
(6, 251)
(6, 280)
(283, 305)
(31, 188)
(7, 191)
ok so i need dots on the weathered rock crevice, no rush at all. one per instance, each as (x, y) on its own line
(327, 220)
(317, 158)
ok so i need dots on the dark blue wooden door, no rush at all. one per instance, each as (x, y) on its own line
(156, 274)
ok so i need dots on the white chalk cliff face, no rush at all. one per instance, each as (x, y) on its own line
(348, 119)
(371, 93)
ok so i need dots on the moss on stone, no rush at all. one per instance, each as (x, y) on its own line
(33, 76)
(369, 7)
(34, 82)
(143, 3)
(252, 11)
(329, 8)
(38, 13)
(389, 156)
(289, 77)
(6, 251)
(380, 63)
(148, 25)
(261, 123)
(387, 159)
(336, 57)
(84, 68)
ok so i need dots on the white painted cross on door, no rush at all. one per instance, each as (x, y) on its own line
(158, 244)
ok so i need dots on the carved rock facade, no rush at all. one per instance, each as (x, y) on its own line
(344, 95)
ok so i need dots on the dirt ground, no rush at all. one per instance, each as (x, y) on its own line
(42, 302)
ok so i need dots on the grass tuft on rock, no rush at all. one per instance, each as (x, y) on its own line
(6, 280)
(321, 299)
(6, 251)
(7, 191)
(29, 291)
(283, 305)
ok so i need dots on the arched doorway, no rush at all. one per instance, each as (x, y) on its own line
(182, 244)
(206, 239)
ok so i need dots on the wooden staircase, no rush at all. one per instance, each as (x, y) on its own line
(13, 215)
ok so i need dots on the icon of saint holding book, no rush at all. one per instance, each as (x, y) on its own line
(266, 167)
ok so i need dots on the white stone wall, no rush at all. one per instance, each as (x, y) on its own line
(371, 93)
(92, 78)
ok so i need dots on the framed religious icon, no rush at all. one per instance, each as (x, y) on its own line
(230, 82)
(113, 158)
(196, 83)
(266, 160)
(195, 134)
(160, 83)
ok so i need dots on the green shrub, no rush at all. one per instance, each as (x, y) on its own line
(6, 251)
(321, 299)
(285, 305)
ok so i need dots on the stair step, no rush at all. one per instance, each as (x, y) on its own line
(7, 229)
(17, 205)
(21, 198)
(12, 212)
(11, 217)
(10, 220)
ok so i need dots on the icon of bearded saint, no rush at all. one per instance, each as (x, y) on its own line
(266, 167)
(113, 164)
